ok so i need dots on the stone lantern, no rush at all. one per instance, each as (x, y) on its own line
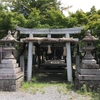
(88, 40)
(88, 71)
(11, 77)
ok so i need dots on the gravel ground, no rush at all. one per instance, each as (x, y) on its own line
(51, 93)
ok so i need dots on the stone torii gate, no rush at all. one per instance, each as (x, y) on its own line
(49, 32)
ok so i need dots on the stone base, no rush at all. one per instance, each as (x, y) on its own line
(11, 84)
(89, 61)
(92, 82)
(91, 85)
(11, 77)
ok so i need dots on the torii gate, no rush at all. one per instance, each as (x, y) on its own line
(49, 32)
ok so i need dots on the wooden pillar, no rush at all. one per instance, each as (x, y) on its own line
(42, 57)
(77, 62)
(77, 58)
(22, 63)
(68, 59)
(39, 61)
(29, 67)
(53, 51)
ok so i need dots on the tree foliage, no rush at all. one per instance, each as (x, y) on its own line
(45, 14)
(39, 13)
(26, 6)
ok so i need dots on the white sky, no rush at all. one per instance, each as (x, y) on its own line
(85, 5)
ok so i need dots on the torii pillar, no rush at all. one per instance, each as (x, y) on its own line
(68, 59)
(30, 57)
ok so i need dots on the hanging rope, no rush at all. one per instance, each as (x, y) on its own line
(34, 50)
(64, 51)
(39, 42)
(49, 49)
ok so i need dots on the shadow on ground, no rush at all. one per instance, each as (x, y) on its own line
(49, 75)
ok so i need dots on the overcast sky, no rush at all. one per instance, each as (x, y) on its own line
(85, 5)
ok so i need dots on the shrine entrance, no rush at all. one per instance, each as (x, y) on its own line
(53, 55)
(66, 39)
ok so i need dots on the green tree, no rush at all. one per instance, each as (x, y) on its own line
(93, 10)
(25, 7)
(54, 18)
(81, 18)
(8, 19)
(33, 19)
(39, 13)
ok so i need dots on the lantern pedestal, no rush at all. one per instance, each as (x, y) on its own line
(11, 77)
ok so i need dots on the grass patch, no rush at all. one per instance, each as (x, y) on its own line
(93, 94)
(36, 78)
(62, 88)
(65, 88)
(33, 87)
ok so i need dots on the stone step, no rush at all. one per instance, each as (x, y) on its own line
(8, 61)
(92, 61)
(89, 71)
(90, 66)
(14, 65)
(53, 71)
(9, 71)
(11, 76)
(87, 77)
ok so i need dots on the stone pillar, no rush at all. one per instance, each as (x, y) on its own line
(29, 65)
(68, 59)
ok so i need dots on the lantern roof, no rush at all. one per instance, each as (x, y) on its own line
(89, 37)
(8, 38)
